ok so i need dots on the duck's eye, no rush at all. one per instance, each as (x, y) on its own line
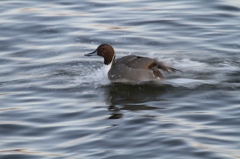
(103, 49)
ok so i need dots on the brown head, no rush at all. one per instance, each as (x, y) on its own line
(104, 50)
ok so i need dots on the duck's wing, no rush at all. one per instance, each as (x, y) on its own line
(136, 62)
(139, 62)
(162, 66)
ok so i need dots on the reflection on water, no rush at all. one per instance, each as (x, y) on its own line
(132, 97)
(126, 93)
(56, 103)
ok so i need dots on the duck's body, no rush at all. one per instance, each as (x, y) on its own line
(130, 68)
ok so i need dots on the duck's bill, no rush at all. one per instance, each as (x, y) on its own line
(94, 53)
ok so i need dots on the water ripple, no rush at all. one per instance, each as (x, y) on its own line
(56, 103)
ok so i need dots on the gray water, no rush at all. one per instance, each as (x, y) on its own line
(55, 102)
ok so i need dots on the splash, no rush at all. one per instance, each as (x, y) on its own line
(201, 72)
(93, 77)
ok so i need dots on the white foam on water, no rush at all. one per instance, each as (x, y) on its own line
(188, 83)
(93, 77)
(196, 73)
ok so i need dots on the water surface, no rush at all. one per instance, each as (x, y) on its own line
(55, 103)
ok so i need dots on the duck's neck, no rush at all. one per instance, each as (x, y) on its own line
(107, 67)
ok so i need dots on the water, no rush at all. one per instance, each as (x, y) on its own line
(55, 103)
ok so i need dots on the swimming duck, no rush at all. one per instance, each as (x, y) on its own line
(130, 68)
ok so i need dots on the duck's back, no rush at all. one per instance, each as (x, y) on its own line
(134, 61)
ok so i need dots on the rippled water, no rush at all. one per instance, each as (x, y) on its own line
(55, 103)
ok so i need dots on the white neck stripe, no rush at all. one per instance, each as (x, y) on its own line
(106, 68)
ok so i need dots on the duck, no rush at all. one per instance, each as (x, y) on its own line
(130, 68)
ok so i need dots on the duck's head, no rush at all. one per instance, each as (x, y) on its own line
(104, 50)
